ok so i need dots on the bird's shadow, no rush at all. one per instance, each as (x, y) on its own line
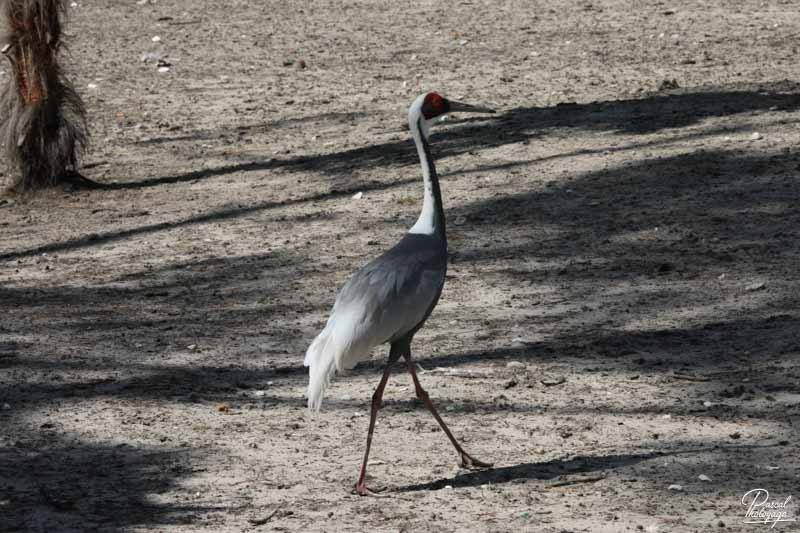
(551, 470)
(532, 471)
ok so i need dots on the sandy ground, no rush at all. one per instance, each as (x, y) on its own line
(620, 315)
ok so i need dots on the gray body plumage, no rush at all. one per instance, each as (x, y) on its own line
(398, 290)
(386, 300)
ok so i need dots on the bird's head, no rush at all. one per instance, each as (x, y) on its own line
(430, 106)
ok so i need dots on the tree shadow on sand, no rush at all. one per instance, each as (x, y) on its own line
(637, 116)
(125, 329)
(679, 108)
(628, 116)
(712, 209)
(52, 480)
(50, 485)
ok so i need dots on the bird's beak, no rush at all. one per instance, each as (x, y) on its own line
(458, 106)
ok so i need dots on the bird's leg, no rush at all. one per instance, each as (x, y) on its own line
(377, 397)
(466, 461)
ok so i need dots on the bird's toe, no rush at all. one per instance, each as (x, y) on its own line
(362, 490)
(471, 463)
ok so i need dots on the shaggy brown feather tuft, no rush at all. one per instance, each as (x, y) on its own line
(42, 119)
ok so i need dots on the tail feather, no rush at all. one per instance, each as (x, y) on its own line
(339, 346)
(321, 360)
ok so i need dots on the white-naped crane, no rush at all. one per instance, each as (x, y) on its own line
(389, 299)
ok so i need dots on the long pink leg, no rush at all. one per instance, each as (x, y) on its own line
(377, 397)
(467, 461)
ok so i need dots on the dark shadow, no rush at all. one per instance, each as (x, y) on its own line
(551, 470)
(95, 239)
(696, 349)
(694, 352)
(715, 201)
(197, 175)
(145, 316)
(657, 225)
(49, 485)
(652, 113)
(533, 471)
(232, 133)
(677, 109)
(178, 383)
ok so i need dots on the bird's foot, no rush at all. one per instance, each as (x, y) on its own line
(468, 462)
(362, 490)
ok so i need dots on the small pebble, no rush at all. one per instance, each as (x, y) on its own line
(703, 477)
(675, 487)
(156, 39)
(755, 136)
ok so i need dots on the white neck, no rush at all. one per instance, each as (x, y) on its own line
(428, 222)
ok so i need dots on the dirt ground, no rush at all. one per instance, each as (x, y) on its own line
(620, 315)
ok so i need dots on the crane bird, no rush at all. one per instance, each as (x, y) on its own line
(389, 299)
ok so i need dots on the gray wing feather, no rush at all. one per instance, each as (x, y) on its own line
(391, 295)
